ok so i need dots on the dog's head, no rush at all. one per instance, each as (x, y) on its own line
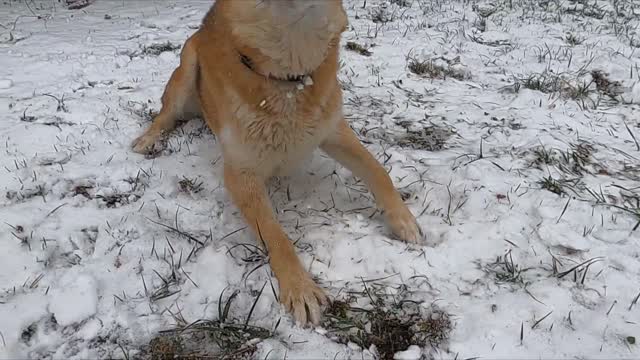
(300, 14)
(294, 34)
(299, 7)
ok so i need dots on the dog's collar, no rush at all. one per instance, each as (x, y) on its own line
(294, 78)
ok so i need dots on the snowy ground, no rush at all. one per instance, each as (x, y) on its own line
(522, 162)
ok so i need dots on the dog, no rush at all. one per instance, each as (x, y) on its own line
(264, 76)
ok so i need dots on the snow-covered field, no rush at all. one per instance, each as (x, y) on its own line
(510, 126)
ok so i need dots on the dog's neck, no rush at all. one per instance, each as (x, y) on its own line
(285, 38)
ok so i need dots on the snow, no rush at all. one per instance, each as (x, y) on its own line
(635, 93)
(74, 299)
(5, 84)
(15, 318)
(90, 265)
(412, 353)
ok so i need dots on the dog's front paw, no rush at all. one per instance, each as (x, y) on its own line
(148, 143)
(404, 225)
(302, 298)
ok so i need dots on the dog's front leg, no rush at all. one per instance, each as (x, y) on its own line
(298, 292)
(344, 146)
(179, 100)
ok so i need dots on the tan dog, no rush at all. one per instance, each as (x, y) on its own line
(263, 74)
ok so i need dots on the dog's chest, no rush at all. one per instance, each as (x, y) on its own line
(275, 141)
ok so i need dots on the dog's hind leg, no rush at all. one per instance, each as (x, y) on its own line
(179, 101)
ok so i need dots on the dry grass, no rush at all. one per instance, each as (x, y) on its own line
(189, 185)
(165, 348)
(357, 48)
(224, 338)
(387, 325)
(157, 49)
(429, 69)
(430, 138)
(506, 270)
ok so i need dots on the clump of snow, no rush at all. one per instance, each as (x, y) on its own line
(412, 353)
(5, 84)
(74, 299)
(90, 329)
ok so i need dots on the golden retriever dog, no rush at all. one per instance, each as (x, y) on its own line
(263, 75)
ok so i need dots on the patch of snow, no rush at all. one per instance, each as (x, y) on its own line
(635, 93)
(412, 353)
(90, 329)
(5, 84)
(74, 299)
(16, 317)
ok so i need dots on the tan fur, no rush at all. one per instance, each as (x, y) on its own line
(267, 126)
